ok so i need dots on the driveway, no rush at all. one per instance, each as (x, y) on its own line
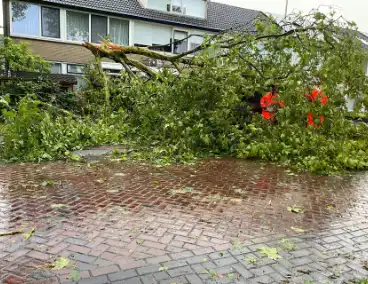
(219, 221)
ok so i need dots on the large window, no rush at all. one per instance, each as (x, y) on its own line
(42, 21)
(50, 22)
(25, 19)
(119, 31)
(99, 28)
(77, 26)
(180, 42)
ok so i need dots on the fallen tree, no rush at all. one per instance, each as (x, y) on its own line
(194, 105)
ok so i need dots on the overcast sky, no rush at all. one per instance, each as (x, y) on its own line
(353, 10)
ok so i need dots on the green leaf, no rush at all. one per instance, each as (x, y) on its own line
(46, 183)
(163, 268)
(231, 276)
(61, 263)
(75, 158)
(295, 209)
(74, 275)
(270, 253)
(251, 259)
(29, 234)
(288, 245)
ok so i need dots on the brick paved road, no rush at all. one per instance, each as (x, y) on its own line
(124, 223)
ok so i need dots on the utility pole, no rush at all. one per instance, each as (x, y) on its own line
(286, 8)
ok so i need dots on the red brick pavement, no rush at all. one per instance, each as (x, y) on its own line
(109, 216)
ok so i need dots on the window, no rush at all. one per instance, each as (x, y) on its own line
(161, 5)
(77, 26)
(180, 42)
(164, 48)
(177, 6)
(99, 28)
(50, 22)
(75, 69)
(56, 68)
(25, 19)
(119, 31)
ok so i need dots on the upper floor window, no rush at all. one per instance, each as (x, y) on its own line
(98, 28)
(25, 19)
(33, 20)
(119, 31)
(50, 22)
(194, 8)
(77, 26)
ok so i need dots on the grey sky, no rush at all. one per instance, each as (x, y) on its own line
(353, 10)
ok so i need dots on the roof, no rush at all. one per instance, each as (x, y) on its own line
(219, 16)
(363, 38)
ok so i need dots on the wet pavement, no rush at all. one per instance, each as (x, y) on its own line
(119, 222)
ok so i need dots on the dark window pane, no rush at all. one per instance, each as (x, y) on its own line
(99, 28)
(50, 22)
(180, 42)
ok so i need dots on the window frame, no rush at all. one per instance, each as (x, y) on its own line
(39, 20)
(41, 23)
(74, 73)
(66, 25)
(173, 39)
(129, 27)
(63, 24)
(107, 24)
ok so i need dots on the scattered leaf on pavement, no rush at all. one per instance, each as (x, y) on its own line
(74, 275)
(288, 245)
(237, 244)
(231, 276)
(163, 268)
(297, 230)
(29, 234)
(251, 259)
(60, 263)
(295, 209)
(139, 242)
(204, 259)
(331, 206)
(270, 253)
(101, 180)
(46, 183)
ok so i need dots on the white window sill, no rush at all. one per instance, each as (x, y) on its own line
(47, 39)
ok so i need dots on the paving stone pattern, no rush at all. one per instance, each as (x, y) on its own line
(206, 223)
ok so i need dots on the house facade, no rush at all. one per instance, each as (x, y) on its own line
(55, 29)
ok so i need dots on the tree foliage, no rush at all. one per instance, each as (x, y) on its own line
(195, 106)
